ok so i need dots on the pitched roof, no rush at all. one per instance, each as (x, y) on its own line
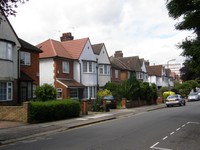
(70, 83)
(53, 48)
(155, 70)
(116, 63)
(28, 46)
(75, 47)
(133, 63)
(97, 48)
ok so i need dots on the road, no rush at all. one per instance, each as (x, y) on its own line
(174, 128)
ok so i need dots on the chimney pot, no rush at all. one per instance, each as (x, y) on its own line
(118, 54)
(66, 37)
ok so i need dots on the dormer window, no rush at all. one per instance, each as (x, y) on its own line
(25, 58)
(6, 50)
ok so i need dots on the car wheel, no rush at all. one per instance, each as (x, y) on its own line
(167, 105)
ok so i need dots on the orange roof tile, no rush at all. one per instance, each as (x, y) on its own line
(75, 47)
(53, 48)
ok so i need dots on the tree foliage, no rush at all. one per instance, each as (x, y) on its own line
(45, 92)
(188, 12)
(9, 6)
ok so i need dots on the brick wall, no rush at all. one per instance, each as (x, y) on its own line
(15, 113)
(33, 69)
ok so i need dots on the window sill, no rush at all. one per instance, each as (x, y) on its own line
(6, 100)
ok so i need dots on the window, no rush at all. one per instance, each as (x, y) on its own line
(74, 93)
(90, 92)
(65, 67)
(25, 58)
(89, 67)
(104, 69)
(34, 89)
(59, 93)
(101, 69)
(6, 91)
(116, 74)
(6, 50)
(84, 66)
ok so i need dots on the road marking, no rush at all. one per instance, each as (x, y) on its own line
(154, 145)
(165, 138)
(158, 148)
(194, 122)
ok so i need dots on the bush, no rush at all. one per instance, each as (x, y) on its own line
(45, 92)
(54, 110)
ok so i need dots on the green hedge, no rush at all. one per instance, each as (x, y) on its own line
(54, 110)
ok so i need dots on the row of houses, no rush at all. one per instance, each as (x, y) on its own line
(76, 68)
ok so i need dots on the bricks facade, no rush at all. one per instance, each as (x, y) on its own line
(33, 69)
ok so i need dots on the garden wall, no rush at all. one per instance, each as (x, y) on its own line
(15, 113)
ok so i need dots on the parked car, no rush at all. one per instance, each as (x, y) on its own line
(175, 100)
(110, 101)
(194, 96)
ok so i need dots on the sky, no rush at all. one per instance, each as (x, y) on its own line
(136, 27)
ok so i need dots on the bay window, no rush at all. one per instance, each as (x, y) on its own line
(89, 67)
(6, 50)
(6, 89)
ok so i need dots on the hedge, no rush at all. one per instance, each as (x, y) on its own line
(54, 110)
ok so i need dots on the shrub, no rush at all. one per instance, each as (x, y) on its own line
(54, 110)
(45, 92)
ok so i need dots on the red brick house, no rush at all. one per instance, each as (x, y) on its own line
(29, 70)
(19, 63)
(57, 69)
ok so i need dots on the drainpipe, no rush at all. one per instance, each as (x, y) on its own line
(18, 78)
(97, 68)
(80, 71)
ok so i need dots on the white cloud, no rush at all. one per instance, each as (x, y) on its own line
(139, 27)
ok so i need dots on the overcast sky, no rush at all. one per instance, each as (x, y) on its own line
(137, 27)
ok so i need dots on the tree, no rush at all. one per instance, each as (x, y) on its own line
(188, 11)
(8, 6)
(45, 92)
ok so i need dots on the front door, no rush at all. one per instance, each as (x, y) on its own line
(24, 94)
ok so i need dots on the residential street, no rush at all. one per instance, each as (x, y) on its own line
(174, 128)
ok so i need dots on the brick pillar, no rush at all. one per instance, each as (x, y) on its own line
(123, 102)
(104, 105)
(26, 106)
(84, 105)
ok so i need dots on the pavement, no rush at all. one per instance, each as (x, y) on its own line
(11, 132)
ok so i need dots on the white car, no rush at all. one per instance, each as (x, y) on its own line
(175, 100)
(193, 97)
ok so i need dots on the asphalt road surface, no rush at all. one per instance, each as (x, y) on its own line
(173, 128)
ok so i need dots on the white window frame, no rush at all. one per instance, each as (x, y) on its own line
(116, 73)
(6, 50)
(74, 90)
(89, 67)
(59, 93)
(25, 58)
(65, 67)
(9, 91)
(90, 92)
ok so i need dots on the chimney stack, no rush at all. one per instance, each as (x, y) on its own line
(118, 54)
(66, 37)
